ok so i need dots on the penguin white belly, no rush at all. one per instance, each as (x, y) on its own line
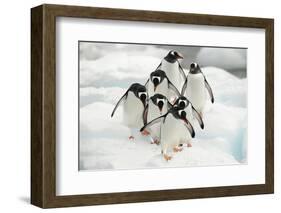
(133, 111)
(153, 112)
(162, 88)
(189, 114)
(173, 73)
(169, 133)
(195, 91)
(184, 134)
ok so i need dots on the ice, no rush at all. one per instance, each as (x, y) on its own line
(104, 143)
(225, 58)
(89, 95)
(228, 89)
(118, 70)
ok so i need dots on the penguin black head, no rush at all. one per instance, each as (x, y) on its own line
(181, 102)
(159, 100)
(194, 68)
(139, 91)
(173, 56)
(182, 114)
(143, 98)
(178, 113)
(157, 77)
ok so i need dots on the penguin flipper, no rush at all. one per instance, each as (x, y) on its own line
(144, 116)
(190, 128)
(182, 71)
(207, 85)
(146, 83)
(169, 104)
(172, 87)
(159, 66)
(184, 87)
(123, 98)
(198, 117)
(154, 121)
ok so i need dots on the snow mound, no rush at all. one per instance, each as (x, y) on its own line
(227, 89)
(88, 51)
(107, 70)
(104, 143)
(225, 58)
(110, 95)
(118, 69)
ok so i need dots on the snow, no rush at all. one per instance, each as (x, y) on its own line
(225, 58)
(117, 69)
(104, 143)
(104, 94)
(93, 51)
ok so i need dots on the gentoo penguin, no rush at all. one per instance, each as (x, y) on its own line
(159, 83)
(157, 105)
(194, 88)
(191, 114)
(173, 69)
(170, 122)
(134, 101)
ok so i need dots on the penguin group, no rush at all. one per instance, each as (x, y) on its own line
(166, 107)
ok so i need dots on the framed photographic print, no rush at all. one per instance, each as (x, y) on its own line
(136, 106)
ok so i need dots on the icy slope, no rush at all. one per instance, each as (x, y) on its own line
(104, 141)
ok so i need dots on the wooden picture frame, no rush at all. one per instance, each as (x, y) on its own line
(43, 105)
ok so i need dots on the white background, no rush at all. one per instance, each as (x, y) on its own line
(15, 105)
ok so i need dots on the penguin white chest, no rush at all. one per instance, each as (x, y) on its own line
(173, 73)
(189, 114)
(195, 91)
(162, 88)
(154, 112)
(133, 111)
(169, 133)
(184, 135)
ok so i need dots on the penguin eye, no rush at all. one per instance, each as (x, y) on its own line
(193, 65)
(160, 99)
(182, 114)
(156, 77)
(142, 94)
(182, 103)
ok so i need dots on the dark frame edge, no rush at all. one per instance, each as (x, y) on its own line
(157, 196)
(43, 107)
(37, 190)
(269, 106)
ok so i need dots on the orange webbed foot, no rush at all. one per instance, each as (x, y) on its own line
(157, 142)
(167, 157)
(145, 132)
(177, 149)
